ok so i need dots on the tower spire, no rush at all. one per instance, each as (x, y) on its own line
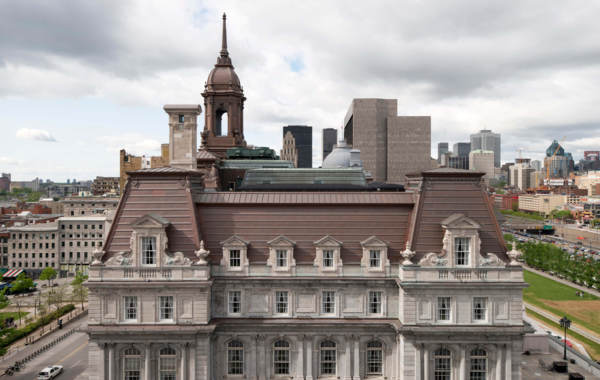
(224, 52)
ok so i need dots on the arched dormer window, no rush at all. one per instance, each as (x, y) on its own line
(149, 240)
(461, 244)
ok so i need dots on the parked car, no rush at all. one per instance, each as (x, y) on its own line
(569, 344)
(50, 372)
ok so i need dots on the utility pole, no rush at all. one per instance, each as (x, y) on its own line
(565, 323)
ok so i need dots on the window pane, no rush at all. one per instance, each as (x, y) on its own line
(148, 250)
(374, 358)
(130, 307)
(461, 250)
(166, 305)
(281, 358)
(281, 257)
(328, 258)
(443, 308)
(328, 304)
(375, 302)
(328, 358)
(235, 358)
(235, 301)
(374, 258)
(479, 308)
(281, 302)
(235, 258)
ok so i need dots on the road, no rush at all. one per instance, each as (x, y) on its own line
(71, 353)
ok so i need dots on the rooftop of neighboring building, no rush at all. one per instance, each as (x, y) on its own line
(53, 226)
(83, 218)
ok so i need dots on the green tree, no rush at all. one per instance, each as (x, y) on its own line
(80, 291)
(79, 279)
(4, 300)
(22, 283)
(48, 274)
(56, 296)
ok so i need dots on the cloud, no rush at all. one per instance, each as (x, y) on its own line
(9, 161)
(34, 134)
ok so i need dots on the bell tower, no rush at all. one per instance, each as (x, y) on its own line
(223, 105)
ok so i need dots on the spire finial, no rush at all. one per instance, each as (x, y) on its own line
(224, 52)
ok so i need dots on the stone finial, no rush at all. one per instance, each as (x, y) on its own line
(202, 254)
(514, 254)
(408, 255)
(97, 254)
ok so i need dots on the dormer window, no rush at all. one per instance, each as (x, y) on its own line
(374, 260)
(461, 251)
(235, 258)
(148, 250)
(328, 255)
(461, 242)
(235, 254)
(281, 255)
(149, 240)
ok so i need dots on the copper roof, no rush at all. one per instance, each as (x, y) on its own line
(298, 198)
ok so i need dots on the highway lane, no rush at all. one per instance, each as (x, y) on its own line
(71, 353)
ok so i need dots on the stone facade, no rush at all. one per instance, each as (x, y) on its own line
(79, 237)
(33, 247)
(129, 162)
(89, 206)
(105, 185)
(289, 152)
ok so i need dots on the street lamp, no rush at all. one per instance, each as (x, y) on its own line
(565, 323)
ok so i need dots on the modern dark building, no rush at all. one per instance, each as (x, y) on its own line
(329, 140)
(303, 143)
(442, 148)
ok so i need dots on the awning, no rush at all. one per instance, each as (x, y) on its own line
(13, 273)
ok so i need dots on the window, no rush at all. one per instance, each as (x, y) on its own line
(235, 258)
(148, 250)
(328, 358)
(328, 304)
(443, 309)
(461, 250)
(281, 257)
(328, 258)
(479, 308)
(478, 365)
(130, 308)
(441, 364)
(374, 258)
(374, 358)
(281, 302)
(235, 302)
(181, 118)
(132, 362)
(281, 358)
(167, 364)
(165, 308)
(235, 358)
(375, 302)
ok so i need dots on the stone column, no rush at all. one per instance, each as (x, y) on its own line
(184, 364)
(111, 361)
(254, 359)
(425, 363)
(498, 363)
(193, 361)
(347, 358)
(508, 362)
(262, 358)
(147, 353)
(356, 358)
(300, 358)
(462, 367)
(309, 360)
(418, 361)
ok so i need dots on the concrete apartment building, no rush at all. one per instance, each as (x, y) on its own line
(5, 182)
(482, 161)
(328, 141)
(85, 206)
(105, 185)
(302, 145)
(522, 176)
(391, 146)
(129, 162)
(197, 282)
(542, 203)
(33, 247)
(4, 238)
(488, 140)
(79, 237)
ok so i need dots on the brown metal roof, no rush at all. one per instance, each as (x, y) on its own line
(305, 198)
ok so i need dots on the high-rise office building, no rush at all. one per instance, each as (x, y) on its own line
(442, 148)
(487, 140)
(329, 140)
(299, 144)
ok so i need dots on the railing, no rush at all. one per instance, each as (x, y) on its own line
(435, 274)
(174, 273)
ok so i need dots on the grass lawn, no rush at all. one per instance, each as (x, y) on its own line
(592, 347)
(561, 300)
(522, 214)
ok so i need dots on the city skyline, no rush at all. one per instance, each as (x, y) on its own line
(68, 107)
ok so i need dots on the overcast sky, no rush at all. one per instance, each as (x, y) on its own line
(80, 80)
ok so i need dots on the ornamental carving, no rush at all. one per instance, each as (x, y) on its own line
(407, 254)
(432, 259)
(176, 258)
(97, 254)
(491, 259)
(123, 258)
(202, 254)
(514, 254)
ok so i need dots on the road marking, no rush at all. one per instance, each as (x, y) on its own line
(73, 352)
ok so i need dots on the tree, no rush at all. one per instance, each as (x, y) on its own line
(79, 279)
(56, 296)
(22, 283)
(4, 300)
(48, 274)
(80, 291)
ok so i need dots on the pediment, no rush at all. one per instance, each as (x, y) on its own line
(280, 241)
(460, 221)
(150, 221)
(373, 242)
(235, 241)
(328, 241)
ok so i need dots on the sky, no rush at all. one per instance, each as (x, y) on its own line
(79, 80)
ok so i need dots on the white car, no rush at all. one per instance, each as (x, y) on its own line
(50, 372)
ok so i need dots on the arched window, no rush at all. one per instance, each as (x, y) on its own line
(221, 123)
(328, 358)
(132, 364)
(442, 364)
(281, 358)
(478, 368)
(235, 358)
(167, 364)
(374, 358)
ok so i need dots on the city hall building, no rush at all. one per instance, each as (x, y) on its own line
(196, 281)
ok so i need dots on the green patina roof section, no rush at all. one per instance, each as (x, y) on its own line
(255, 164)
(305, 176)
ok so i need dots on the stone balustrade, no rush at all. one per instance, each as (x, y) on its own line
(165, 273)
(454, 274)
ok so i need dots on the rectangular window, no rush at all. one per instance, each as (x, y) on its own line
(281, 258)
(479, 308)
(443, 308)
(234, 302)
(165, 308)
(328, 304)
(130, 308)
(461, 251)
(281, 302)
(235, 258)
(375, 302)
(328, 258)
(374, 258)
(148, 250)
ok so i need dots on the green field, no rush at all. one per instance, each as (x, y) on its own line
(561, 299)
